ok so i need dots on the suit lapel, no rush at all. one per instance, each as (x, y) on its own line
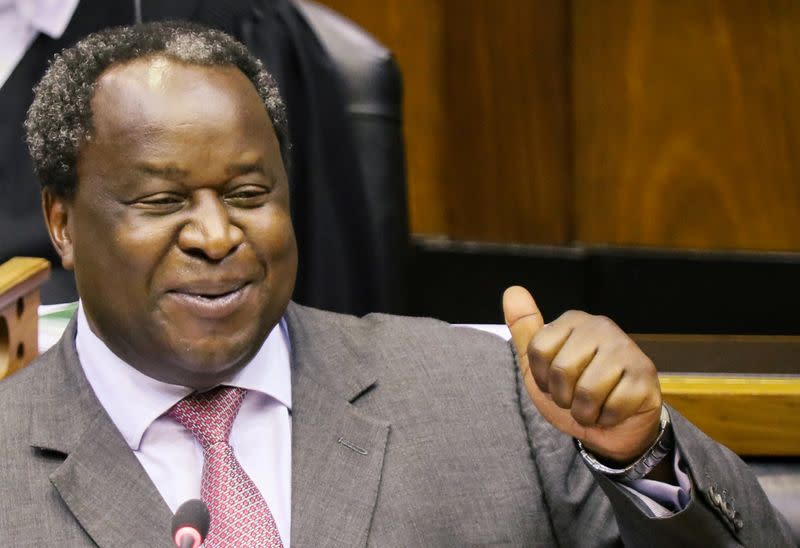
(337, 450)
(100, 481)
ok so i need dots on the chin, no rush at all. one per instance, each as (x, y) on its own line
(206, 376)
(210, 362)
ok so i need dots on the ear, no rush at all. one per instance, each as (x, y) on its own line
(58, 217)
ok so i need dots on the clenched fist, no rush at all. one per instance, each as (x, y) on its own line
(586, 377)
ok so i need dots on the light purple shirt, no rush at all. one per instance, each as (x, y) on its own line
(261, 436)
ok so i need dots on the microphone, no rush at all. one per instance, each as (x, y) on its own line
(190, 524)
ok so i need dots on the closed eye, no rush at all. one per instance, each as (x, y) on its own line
(247, 196)
(161, 202)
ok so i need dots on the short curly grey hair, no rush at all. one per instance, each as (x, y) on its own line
(59, 120)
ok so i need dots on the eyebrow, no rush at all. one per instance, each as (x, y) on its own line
(244, 169)
(175, 173)
(168, 172)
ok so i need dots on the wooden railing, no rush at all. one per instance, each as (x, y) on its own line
(20, 280)
(743, 391)
(752, 415)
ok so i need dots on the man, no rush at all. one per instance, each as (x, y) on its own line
(334, 229)
(188, 372)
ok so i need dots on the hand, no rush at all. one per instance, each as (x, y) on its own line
(586, 377)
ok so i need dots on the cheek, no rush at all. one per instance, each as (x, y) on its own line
(123, 250)
(272, 235)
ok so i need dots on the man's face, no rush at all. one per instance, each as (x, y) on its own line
(179, 233)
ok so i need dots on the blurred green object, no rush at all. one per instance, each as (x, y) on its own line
(53, 320)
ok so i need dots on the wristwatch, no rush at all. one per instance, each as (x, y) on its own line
(642, 466)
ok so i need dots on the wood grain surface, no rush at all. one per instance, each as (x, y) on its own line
(20, 275)
(721, 354)
(687, 123)
(486, 114)
(413, 30)
(669, 124)
(751, 415)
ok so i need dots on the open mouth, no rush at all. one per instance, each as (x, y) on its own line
(210, 303)
(212, 296)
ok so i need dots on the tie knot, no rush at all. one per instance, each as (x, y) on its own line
(209, 415)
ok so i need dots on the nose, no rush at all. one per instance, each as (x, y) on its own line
(210, 232)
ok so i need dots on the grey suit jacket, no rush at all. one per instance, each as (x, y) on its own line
(405, 432)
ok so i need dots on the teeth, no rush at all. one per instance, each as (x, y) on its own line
(216, 296)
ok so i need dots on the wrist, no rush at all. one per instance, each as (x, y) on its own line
(626, 455)
(641, 466)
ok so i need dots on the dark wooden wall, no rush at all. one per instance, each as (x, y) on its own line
(486, 113)
(634, 122)
(687, 122)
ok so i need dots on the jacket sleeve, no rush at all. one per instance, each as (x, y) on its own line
(727, 507)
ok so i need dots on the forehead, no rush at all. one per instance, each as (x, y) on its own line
(160, 92)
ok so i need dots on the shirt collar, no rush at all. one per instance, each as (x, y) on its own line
(50, 17)
(133, 400)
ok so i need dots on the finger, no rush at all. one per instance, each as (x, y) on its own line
(624, 401)
(522, 317)
(544, 347)
(587, 336)
(595, 385)
(567, 366)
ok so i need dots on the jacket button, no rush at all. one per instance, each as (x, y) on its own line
(728, 509)
(713, 496)
(738, 522)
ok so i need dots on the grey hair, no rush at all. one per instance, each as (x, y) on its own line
(59, 120)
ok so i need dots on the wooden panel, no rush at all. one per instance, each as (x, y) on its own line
(413, 29)
(752, 416)
(20, 279)
(723, 354)
(486, 113)
(507, 162)
(21, 275)
(687, 122)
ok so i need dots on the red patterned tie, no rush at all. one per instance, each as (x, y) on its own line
(239, 514)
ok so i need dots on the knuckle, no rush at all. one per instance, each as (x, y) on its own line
(642, 367)
(545, 343)
(561, 376)
(560, 396)
(536, 350)
(610, 416)
(605, 323)
(573, 316)
(540, 376)
(561, 370)
(539, 360)
(585, 397)
(646, 371)
(582, 415)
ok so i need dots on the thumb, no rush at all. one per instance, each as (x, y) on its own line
(522, 317)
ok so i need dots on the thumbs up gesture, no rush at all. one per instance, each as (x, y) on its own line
(586, 377)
